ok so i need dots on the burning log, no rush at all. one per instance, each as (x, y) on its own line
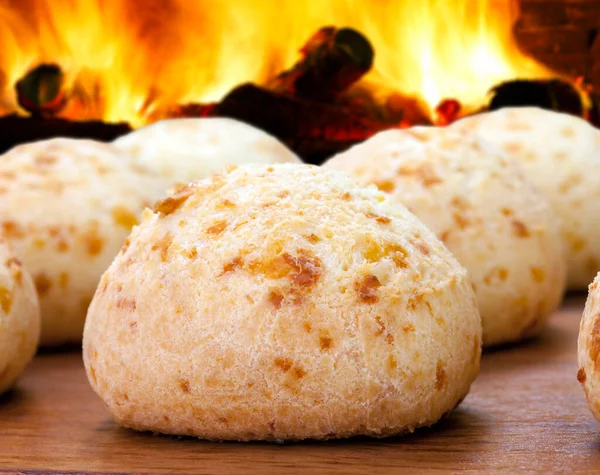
(395, 109)
(305, 106)
(40, 92)
(332, 60)
(313, 130)
(551, 94)
(15, 130)
(182, 111)
(308, 107)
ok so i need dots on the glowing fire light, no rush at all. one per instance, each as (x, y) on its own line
(124, 59)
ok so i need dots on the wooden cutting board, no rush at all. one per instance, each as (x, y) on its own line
(525, 413)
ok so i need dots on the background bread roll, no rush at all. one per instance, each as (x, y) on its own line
(67, 206)
(281, 302)
(589, 349)
(183, 150)
(19, 318)
(500, 228)
(560, 154)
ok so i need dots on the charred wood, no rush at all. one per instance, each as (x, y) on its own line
(332, 60)
(15, 130)
(552, 94)
(313, 130)
(40, 92)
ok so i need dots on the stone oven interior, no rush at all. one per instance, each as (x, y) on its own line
(562, 34)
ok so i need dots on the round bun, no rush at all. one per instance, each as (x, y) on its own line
(559, 154)
(281, 303)
(589, 348)
(67, 206)
(479, 204)
(183, 150)
(19, 318)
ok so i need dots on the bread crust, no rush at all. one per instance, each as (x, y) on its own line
(479, 203)
(588, 348)
(559, 155)
(19, 318)
(281, 302)
(183, 150)
(67, 206)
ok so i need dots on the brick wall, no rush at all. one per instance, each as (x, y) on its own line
(564, 34)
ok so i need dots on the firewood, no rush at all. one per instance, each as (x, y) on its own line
(551, 94)
(312, 129)
(40, 91)
(332, 60)
(15, 130)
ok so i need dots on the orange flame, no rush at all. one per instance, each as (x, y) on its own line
(123, 59)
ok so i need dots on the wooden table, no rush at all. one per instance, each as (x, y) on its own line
(525, 413)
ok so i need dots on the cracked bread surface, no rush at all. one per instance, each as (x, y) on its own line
(281, 302)
(559, 154)
(480, 204)
(184, 150)
(19, 318)
(67, 206)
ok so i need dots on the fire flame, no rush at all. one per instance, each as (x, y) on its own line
(123, 60)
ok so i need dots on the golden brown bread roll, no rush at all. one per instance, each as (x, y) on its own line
(19, 318)
(183, 150)
(67, 206)
(559, 154)
(589, 348)
(281, 302)
(479, 203)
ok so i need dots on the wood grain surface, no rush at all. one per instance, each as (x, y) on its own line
(526, 413)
